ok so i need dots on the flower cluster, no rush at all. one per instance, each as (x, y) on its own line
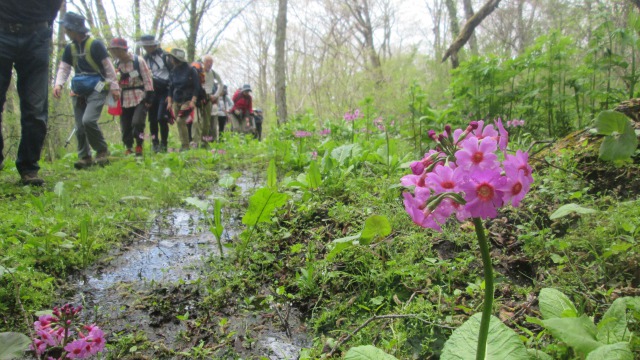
(464, 176)
(379, 123)
(515, 123)
(302, 134)
(61, 330)
(350, 117)
(325, 132)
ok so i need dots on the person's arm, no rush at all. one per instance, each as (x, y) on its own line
(195, 83)
(64, 69)
(216, 96)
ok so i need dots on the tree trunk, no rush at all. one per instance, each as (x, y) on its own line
(280, 62)
(455, 28)
(136, 19)
(360, 11)
(89, 15)
(161, 11)
(105, 28)
(469, 27)
(468, 14)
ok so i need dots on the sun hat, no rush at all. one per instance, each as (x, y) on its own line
(245, 87)
(148, 40)
(74, 22)
(118, 43)
(179, 54)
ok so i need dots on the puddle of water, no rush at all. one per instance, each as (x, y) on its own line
(279, 347)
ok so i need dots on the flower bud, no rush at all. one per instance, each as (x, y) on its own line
(417, 167)
(447, 129)
(473, 125)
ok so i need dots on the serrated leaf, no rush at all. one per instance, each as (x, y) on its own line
(609, 122)
(618, 351)
(200, 204)
(375, 226)
(567, 209)
(502, 343)
(367, 352)
(13, 345)
(613, 326)
(261, 205)
(577, 332)
(555, 304)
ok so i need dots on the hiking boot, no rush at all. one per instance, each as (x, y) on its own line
(139, 150)
(102, 158)
(83, 163)
(31, 179)
(163, 148)
(155, 148)
(128, 152)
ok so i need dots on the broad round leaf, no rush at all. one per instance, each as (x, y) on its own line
(13, 345)
(367, 352)
(502, 343)
(375, 226)
(555, 304)
(619, 351)
(609, 122)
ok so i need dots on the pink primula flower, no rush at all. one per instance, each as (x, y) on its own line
(442, 179)
(503, 137)
(417, 209)
(477, 155)
(484, 131)
(515, 188)
(482, 194)
(514, 163)
(76, 349)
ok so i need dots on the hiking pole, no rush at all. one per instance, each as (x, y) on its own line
(69, 138)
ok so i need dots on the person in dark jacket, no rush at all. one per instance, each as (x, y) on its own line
(257, 119)
(159, 64)
(183, 95)
(25, 39)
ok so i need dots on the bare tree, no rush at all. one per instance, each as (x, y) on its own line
(280, 62)
(360, 10)
(455, 28)
(468, 14)
(105, 28)
(469, 27)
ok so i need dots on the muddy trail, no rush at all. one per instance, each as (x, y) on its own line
(145, 295)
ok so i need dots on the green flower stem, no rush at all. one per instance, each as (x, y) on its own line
(488, 289)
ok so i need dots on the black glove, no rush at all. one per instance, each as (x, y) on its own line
(148, 97)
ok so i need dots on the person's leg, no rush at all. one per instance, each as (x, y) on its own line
(79, 106)
(215, 131)
(139, 115)
(95, 102)
(181, 122)
(222, 121)
(154, 120)
(126, 128)
(32, 68)
(199, 126)
(236, 126)
(258, 134)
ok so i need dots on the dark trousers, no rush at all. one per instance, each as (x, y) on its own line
(258, 134)
(222, 121)
(28, 52)
(158, 118)
(132, 123)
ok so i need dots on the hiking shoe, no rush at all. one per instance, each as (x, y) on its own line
(31, 179)
(139, 150)
(128, 152)
(83, 163)
(102, 158)
(163, 148)
(155, 148)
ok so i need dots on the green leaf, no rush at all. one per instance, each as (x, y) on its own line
(134, 197)
(59, 188)
(314, 179)
(342, 153)
(555, 304)
(567, 209)
(577, 332)
(200, 204)
(13, 345)
(217, 218)
(620, 146)
(609, 122)
(227, 181)
(618, 351)
(367, 352)
(261, 205)
(272, 175)
(613, 326)
(375, 226)
(341, 244)
(535, 354)
(502, 343)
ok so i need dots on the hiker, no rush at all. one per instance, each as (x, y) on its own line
(184, 84)
(94, 80)
(213, 87)
(224, 106)
(241, 114)
(25, 39)
(257, 119)
(159, 63)
(136, 86)
(201, 136)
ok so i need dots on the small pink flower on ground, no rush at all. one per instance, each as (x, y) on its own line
(476, 154)
(314, 155)
(47, 337)
(76, 349)
(222, 151)
(302, 134)
(40, 346)
(482, 194)
(97, 339)
(325, 132)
